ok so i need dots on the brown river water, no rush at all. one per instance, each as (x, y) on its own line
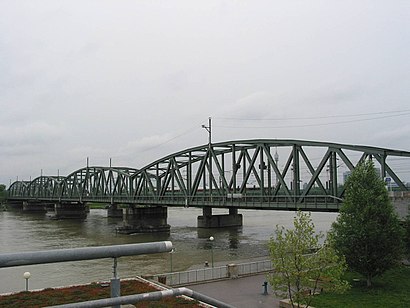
(32, 232)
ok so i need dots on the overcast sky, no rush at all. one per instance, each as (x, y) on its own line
(135, 80)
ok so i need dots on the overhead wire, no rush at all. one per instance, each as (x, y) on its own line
(186, 132)
(314, 124)
(315, 117)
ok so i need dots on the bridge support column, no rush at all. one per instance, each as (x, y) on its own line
(207, 220)
(34, 207)
(70, 210)
(13, 205)
(401, 201)
(114, 212)
(49, 206)
(145, 220)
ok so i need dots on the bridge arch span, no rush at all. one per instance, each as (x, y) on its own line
(44, 187)
(98, 183)
(251, 169)
(257, 173)
(268, 174)
(17, 189)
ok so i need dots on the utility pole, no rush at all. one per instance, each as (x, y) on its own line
(209, 130)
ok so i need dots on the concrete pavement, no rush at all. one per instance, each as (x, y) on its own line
(242, 292)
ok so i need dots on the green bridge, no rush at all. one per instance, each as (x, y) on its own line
(266, 174)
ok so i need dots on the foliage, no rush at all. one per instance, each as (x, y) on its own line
(95, 205)
(367, 231)
(407, 236)
(2, 191)
(299, 272)
(389, 290)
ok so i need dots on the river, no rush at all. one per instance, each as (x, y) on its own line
(32, 232)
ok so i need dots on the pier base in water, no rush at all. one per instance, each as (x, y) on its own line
(207, 220)
(70, 210)
(114, 212)
(13, 205)
(34, 207)
(145, 220)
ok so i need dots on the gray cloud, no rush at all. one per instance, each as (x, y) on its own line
(135, 80)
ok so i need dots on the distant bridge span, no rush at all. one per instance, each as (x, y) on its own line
(249, 174)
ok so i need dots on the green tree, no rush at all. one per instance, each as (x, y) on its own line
(367, 231)
(2, 191)
(407, 236)
(301, 265)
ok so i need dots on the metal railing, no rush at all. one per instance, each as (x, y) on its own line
(114, 251)
(151, 296)
(213, 273)
(251, 268)
(85, 253)
(82, 253)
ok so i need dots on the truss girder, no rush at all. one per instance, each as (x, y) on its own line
(246, 170)
(105, 184)
(18, 188)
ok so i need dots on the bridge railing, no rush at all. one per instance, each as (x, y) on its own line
(85, 253)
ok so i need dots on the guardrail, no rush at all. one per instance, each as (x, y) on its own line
(213, 273)
(85, 253)
(151, 296)
(114, 251)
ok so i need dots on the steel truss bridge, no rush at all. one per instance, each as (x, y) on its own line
(250, 174)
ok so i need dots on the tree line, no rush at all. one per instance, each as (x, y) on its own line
(2, 192)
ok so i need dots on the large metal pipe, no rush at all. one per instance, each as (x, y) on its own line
(85, 253)
(132, 299)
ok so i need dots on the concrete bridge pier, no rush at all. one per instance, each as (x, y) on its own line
(34, 207)
(49, 206)
(207, 220)
(145, 220)
(70, 210)
(13, 205)
(114, 211)
(401, 203)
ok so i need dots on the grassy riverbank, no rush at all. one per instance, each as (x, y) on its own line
(390, 290)
(94, 206)
(58, 296)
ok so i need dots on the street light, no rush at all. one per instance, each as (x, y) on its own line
(27, 276)
(170, 254)
(211, 238)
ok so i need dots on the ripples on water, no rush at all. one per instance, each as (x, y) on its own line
(29, 232)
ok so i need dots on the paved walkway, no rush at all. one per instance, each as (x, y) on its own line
(242, 292)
